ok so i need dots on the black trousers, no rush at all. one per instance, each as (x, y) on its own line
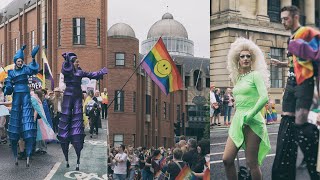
(93, 124)
(104, 110)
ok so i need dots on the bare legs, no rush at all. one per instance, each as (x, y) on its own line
(230, 153)
(252, 148)
(217, 116)
(252, 142)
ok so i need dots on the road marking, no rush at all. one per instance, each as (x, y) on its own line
(220, 161)
(272, 133)
(53, 171)
(217, 144)
(222, 152)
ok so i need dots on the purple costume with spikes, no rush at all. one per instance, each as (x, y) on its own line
(71, 128)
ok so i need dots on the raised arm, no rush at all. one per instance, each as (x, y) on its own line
(263, 96)
(33, 66)
(95, 75)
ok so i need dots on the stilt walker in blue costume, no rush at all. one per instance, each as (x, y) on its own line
(21, 124)
(71, 128)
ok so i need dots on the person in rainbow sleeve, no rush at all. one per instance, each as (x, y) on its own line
(21, 124)
(295, 130)
(71, 128)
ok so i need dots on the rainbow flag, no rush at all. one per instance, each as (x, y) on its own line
(161, 68)
(44, 130)
(206, 175)
(46, 71)
(4, 71)
(186, 174)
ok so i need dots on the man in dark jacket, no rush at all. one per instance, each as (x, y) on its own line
(191, 156)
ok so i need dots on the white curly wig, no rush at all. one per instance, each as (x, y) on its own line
(258, 62)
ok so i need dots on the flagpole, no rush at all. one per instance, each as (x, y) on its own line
(43, 71)
(199, 73)
(131, 76)
(125, 83)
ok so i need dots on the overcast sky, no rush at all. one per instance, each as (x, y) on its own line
(142, 14)
(4, 3)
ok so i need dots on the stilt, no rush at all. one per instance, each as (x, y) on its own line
(28, 165)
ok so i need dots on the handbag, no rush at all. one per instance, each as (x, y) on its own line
(215, 105)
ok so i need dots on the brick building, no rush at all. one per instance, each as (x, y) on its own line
(142, 115)
(57, 26)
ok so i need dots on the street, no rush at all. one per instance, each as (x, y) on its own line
(217, 144)
(93, 162)
(218, 138)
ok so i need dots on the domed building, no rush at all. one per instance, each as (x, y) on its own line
(123, 48)
(174, 35)
(121, 30)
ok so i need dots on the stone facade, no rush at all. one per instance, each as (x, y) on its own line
(250, 19)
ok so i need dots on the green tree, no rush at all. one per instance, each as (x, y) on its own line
(206, 133)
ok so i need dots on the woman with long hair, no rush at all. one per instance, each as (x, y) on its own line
(250, 76)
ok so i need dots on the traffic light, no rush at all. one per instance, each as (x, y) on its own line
(177, 128)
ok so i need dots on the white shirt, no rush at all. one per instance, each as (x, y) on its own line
(212, 98)
(121, 167)
(59, 106)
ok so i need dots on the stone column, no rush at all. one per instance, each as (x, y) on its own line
(309, 7)
(215, 6)
(229, 7)
(262, 10)
(285, 3)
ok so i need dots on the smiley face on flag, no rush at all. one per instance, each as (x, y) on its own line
(162, 68)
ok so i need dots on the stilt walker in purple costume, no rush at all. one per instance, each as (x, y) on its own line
(21, 124)
(71, 128)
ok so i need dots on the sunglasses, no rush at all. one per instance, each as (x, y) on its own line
(248, 56)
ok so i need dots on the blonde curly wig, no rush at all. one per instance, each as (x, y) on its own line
(258, 62)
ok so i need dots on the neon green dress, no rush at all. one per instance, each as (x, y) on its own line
(250, 95)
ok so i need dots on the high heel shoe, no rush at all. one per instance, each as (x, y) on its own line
(77, 167)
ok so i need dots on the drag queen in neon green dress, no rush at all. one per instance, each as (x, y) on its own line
(250, 76)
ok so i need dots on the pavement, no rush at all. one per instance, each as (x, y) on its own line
(93, 162)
